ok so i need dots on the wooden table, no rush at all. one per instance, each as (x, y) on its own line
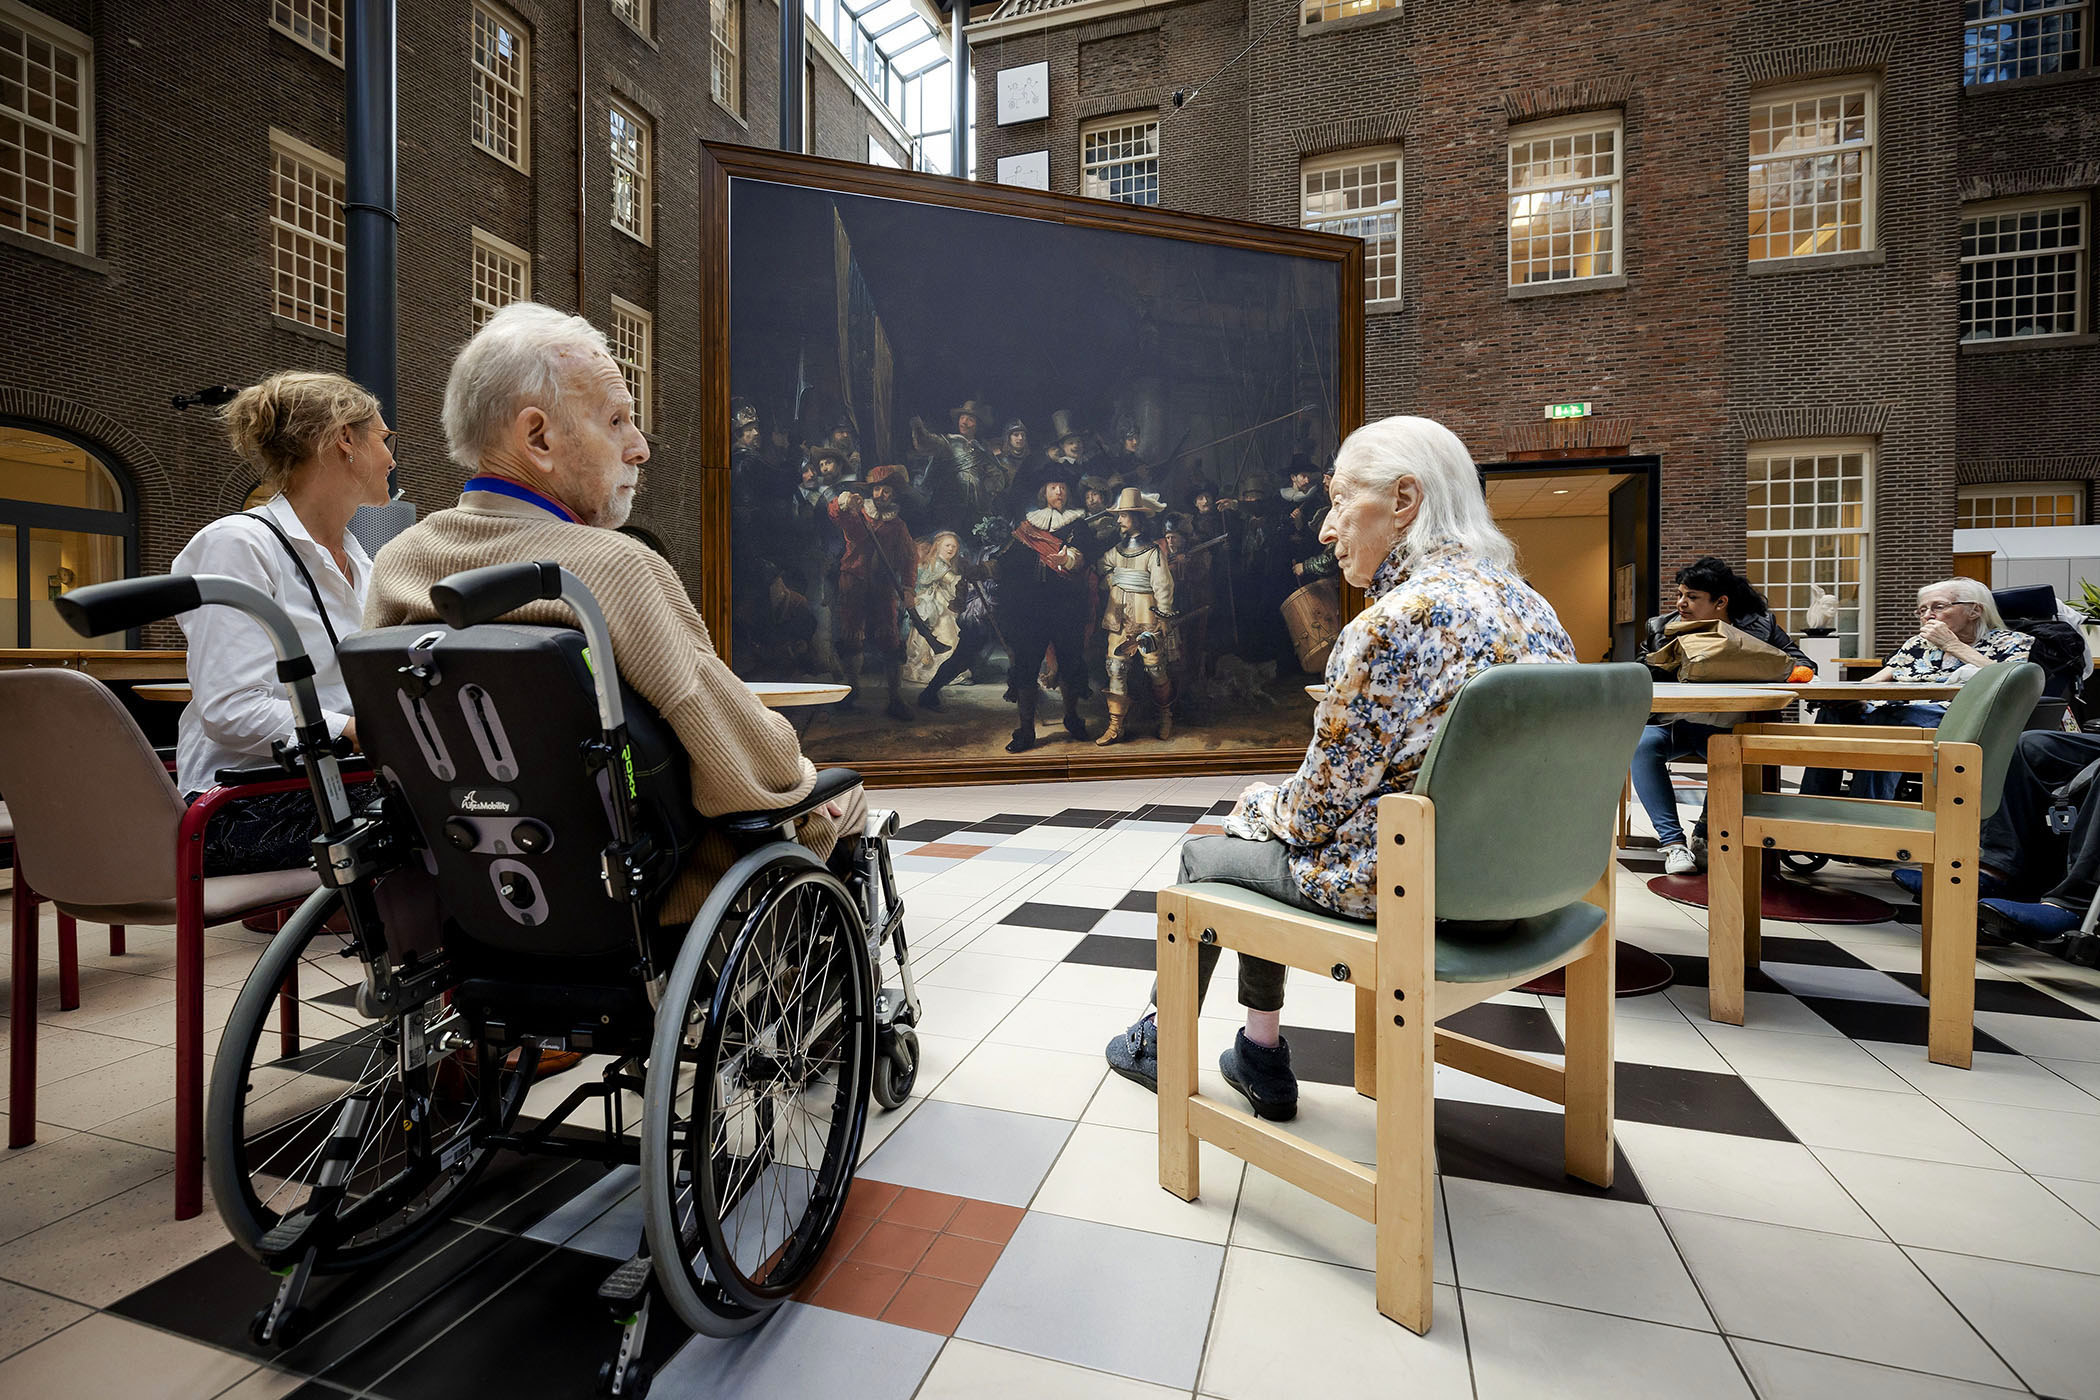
(170, 692)
(1825, 692)
(795, 695)
(1694, 698)
(102, 665)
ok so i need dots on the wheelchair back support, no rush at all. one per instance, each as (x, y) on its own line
(487, 734)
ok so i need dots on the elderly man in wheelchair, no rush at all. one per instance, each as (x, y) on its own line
(586, 835)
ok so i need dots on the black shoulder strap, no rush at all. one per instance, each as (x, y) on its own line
(300, 564)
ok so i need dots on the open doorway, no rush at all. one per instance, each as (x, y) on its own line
(1586, 539)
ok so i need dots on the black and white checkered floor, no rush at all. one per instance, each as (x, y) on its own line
(1805, 1207)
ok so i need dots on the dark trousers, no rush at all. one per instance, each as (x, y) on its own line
(971, 642)
(2036, 863)
(1261, 866)
(1031, 630)
(254, 834)
(1879, 787)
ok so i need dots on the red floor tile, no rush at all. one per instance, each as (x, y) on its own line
(1206, 829)
(982, 1220)
(947, 850)
(893, 1246)
(868, 1199)
(922, 1210)
(858, 1288)
(930, 1305)
(958, 1259)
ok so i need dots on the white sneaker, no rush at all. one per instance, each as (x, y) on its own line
(1677, 860)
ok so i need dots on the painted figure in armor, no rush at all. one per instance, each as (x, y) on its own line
(1138, 618)
(962, 478)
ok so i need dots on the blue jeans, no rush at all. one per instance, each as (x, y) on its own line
(1878, 787)
(1651, 773)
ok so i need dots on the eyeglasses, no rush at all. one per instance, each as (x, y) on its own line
(1935, 609)
(388, 439)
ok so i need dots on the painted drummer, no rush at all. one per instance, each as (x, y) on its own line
(1139, 616)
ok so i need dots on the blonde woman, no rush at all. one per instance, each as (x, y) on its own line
(322, 449)
(940, 577)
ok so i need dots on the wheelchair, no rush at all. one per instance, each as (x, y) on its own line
(493, 899)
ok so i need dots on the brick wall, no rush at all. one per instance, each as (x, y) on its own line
(178, 292)
(1695, 356)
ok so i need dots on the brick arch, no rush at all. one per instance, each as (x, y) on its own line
(152, 490)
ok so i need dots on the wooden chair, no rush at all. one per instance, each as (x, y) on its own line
(1962, 764)
(1527, 765)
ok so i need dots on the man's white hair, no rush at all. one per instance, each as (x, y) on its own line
(525, 357)
(1968, 590)
(1454, 511)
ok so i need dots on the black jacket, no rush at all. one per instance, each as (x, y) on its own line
(1762, 627)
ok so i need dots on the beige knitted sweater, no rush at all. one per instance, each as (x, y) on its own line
(744, 756)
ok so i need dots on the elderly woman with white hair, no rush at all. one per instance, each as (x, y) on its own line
(1410, 526)
(1959, 633)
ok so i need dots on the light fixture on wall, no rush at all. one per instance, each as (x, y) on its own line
(210, 396)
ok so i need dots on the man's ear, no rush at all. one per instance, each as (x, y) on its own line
(537, 432)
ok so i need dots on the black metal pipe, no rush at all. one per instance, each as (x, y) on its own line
(959, 113)
(792, 50)
(371, 310)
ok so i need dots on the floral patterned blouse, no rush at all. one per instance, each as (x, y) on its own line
(1921, 661)
(1393, 673)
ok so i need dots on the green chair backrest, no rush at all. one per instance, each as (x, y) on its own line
(1991, 711)
(1526, 771)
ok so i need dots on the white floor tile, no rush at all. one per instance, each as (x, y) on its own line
(1762, 1011)
(1013, 941)
(1992, 1078)
(1127, 987)
(27, 1316)
(1279, 1218)
(1756, 1053)
(1675, 1043)
(965, 1151)
(2044, 1037)
(1784, 1373)
(1780, 1183)
(971, 1371)
(1967, 1210)
(2041, 1321)
(70, 1173)
(1829, 1293)
(1073, 1027)
(983, 972)
(1902, 1124)
(2040, 1141)
(1852, 983)
(1296, 1327)
(1554, 1247)
(1021, 1080)
(805, 1353)
(110, 1358)
(98, 1255)
(960, 1012)
(2081, 1196)
(1111, 1175)
(1522, 1350)
(2084, 1073)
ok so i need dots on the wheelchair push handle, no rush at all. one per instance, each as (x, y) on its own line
(102, 608)
(485, 594)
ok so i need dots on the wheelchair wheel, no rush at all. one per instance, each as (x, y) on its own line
(757, 1091)
(896, 1067)
(271, 1115)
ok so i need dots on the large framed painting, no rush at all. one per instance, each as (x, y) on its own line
(1040, 478)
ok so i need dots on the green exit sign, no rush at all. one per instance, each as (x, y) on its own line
(1567, 410)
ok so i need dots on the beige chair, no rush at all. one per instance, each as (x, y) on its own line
(102, 834)
(1528, 763)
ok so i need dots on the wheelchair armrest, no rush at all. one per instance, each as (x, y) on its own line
(831, 784)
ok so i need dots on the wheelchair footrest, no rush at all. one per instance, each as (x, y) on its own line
(624, 1287)
(287, 1237)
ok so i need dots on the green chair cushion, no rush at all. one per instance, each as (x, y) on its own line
(1465, 952)
(1834, 811)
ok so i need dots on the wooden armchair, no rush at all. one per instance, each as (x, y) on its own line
(1528, 762)
(1962, 764)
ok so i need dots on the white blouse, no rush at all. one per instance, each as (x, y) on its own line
(238, 706)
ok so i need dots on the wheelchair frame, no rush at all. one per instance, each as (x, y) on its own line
(357, 846)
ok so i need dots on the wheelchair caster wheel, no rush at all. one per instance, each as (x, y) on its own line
(1803, 862)
(633, 1385)
(896, 1067)
(290, 1332)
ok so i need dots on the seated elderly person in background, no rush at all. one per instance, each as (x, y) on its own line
(1410, 526)
(1708, 590)
(539, 417)
(1960, 633)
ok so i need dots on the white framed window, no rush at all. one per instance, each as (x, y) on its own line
(1564, 198)
(725, 42)
(502, 275)
(635, 12)
(502, 87)
(1812, 169)
(306, 225)
(1811, 527)
(633, 341)
(318, 24)
(1358, 193)
(2019, 505)
(879, 154)
(630, 170)
(47, 104)
(2004, 39)
(2023, 265)
(1316, 12)
(1119, 160)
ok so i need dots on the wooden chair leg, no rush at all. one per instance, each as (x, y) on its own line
(116, 940)
(1366, 1042)
(68, 963)
(1406, 1039)
(1734, 870)
(1591, 982)
(21, 1025)
(1177, 1048)
(1950, 960)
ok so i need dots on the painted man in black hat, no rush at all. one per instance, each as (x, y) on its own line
(1043, 604)
(1016, 460)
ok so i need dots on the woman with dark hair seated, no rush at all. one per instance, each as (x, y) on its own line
(1707, 590)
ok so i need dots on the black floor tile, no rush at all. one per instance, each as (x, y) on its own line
(1222, 808)
(1084, 817)
(520, 1188)
(1518, 1147)
(930, 829)
(1885, 1021)
(1526, 1028)
(1114, 950)
(1068, 917)
(1690, 1098)
(1642, 865)
(2015, 997)
(1323, 1057)
(1019, 819)
(1139, 902)
(546, 1334)
(1691, 972)
(501, 1271)
(1170, 814)
(341, 996)
(1811, 952)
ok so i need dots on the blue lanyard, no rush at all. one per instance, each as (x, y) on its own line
(512, 489)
